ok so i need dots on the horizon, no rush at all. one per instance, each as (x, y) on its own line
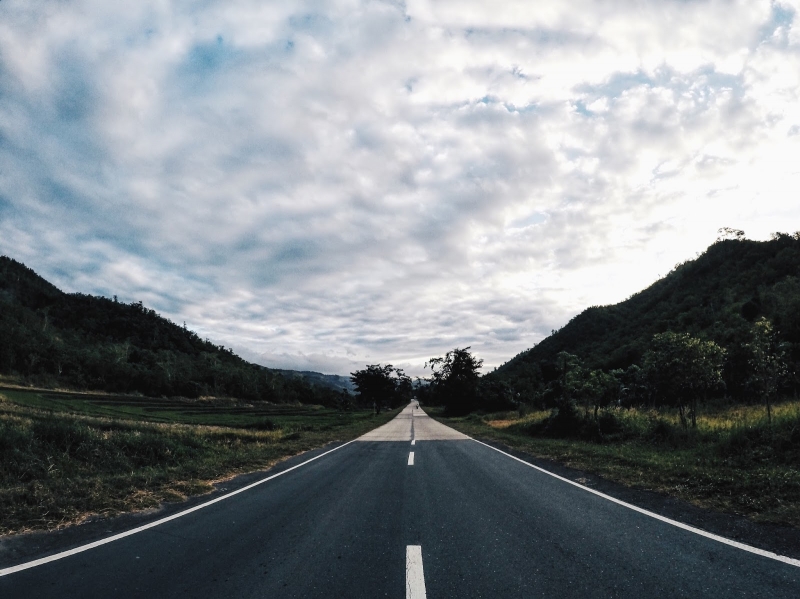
(324, 186)
(730, 235)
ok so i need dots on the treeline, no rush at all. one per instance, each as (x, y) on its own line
(380, 386)
(724, 326)
(678, 371)
(455, 383)
(77, 341)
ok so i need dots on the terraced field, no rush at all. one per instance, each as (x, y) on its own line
(66, 457)
(209, 412)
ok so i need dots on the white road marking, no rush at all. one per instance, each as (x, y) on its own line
(133, 531)
(415, 577)
(411, 458)
(697, 531)
(413, 441)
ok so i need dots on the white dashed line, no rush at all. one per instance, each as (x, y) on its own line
(415, 577)
(411, 459)
(413, 441)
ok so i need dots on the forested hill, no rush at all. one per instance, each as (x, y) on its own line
(716, 297)
(78, 341)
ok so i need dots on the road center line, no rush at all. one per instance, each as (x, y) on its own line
(697, 531)
(133, 531)
(411, 458)
(415, 577)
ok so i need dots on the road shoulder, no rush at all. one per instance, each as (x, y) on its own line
(783, 540)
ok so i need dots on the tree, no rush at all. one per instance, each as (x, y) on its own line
(378, 384)
(572, 374)
(589, 388)
(633, 387)
(454, 380)
(682, 369)
(493, 395)
(767, 362)
(730, 233)
(603, 388)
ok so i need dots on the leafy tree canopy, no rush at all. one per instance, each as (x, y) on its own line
(768, 365)
(382, 385)
(683, 368)
(454, 379)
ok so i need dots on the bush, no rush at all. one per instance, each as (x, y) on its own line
(763, 443)
(262, 424)
(663, 432)
(565, 421)
(15, 450)
(609, 424)
(65, 436)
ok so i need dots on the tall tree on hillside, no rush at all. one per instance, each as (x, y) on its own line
(767, 362)
(682, 369)
(604, 388)
(589, 388)
(730, 233)
(454, 379)
(379, 385)
(633, 388)
(570, 382)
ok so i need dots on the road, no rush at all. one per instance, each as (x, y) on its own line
(460, 519)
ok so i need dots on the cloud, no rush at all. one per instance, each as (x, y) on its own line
(342, 183)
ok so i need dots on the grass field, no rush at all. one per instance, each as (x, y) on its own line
(734, 461)
(67, 456)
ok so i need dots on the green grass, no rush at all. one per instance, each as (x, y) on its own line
(209, 412)
(734, 461)
(65, 457)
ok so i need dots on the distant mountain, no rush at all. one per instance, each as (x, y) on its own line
(716, 296)
(52, 338)
(333, 381)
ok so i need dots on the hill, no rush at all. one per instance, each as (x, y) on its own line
(715, 297)
(77, 341)
(332, 381)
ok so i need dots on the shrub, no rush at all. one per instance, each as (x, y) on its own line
(262, 424)
(666, 433)
(609, 424)
(64, 436)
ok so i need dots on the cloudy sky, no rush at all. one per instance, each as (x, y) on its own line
(322, 185)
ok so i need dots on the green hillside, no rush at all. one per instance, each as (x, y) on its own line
(76, 341)
(715, 297)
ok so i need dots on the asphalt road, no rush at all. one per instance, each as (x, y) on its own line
(463, 521)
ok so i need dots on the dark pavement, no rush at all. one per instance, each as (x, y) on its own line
(488, 526)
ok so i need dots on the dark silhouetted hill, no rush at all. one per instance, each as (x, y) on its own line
(52, 338)
(716, 296)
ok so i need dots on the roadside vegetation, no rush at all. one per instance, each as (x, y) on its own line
(689, 388)
(734, 460)
(65, 457)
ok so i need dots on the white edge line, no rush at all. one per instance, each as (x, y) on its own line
(697, 531)
(415, 575)
(133, 531)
